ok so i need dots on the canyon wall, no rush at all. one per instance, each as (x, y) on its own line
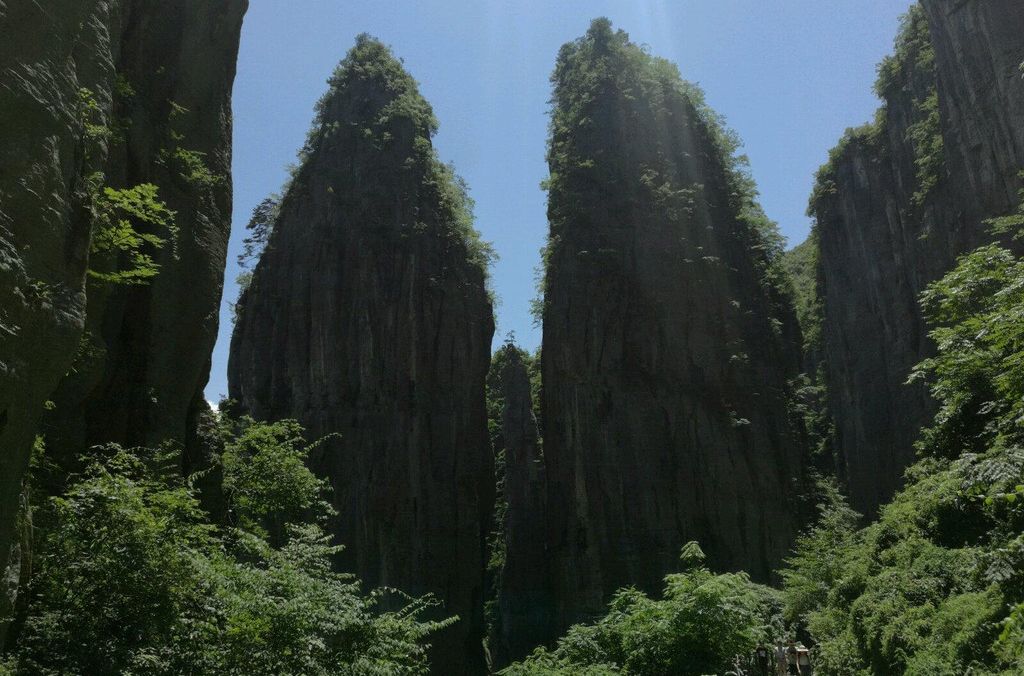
(898, 201)
(96, 95)
(144, 359)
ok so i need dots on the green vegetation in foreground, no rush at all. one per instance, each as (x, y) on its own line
(936, 586)
(133, 578)
(704, 624)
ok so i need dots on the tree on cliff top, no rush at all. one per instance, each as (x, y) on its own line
(376, 104)
(603, 78)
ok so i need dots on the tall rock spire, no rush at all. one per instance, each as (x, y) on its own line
(667, 347)
(368, 318)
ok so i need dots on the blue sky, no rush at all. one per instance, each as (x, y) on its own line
(789, 76)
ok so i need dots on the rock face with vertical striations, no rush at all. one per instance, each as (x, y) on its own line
(97, 94)
(898, 201)
(667, 347)
(144, 359)
(368, 317)
(523, 589)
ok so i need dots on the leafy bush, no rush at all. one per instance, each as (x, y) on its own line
(125, 221)
(266, 479)
(706, 623)
(133, 577)
(122, 224)
(936, 585)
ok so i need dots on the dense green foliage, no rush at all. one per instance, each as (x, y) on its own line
(133, 577)
(801, 265)
(912, 53)
(266, 480)
(936, 585)
(810, 400)
(704, 624)
(125, 221)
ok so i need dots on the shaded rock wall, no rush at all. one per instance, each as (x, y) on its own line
(144, 360)
(368, 317)
(667, 350)
(524, 589)
(44, 225)
(898, 201)
(88, 89)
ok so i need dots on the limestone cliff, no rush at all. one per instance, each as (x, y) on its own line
(520, 617)
(898, 201)
(367, 317)
(667, 348)
(144, 358)
(89, 96)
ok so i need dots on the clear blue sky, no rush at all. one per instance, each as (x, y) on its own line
(789, 76)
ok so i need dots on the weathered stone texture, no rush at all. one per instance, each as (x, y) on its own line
(367, 319)
(139, 374)
(884, 236)
(666, 355)
(149, 347)
(524, 592)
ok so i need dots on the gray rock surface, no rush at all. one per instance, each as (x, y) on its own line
(44, 223)
(368, 317)
(666, 351)
(150, 346)
(885, 234)
(139, 374)
(524, 590)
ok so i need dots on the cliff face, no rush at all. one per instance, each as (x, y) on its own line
(667, 349)
(368, 317)
(88, 91)
(523, 589)
(144, 359)
(44, 228)
(899, 200)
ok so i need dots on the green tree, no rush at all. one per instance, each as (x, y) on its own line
(266, 479)
(704, 624)
(936, 585)
(133, 578)
(123, 225)
(259, 228)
